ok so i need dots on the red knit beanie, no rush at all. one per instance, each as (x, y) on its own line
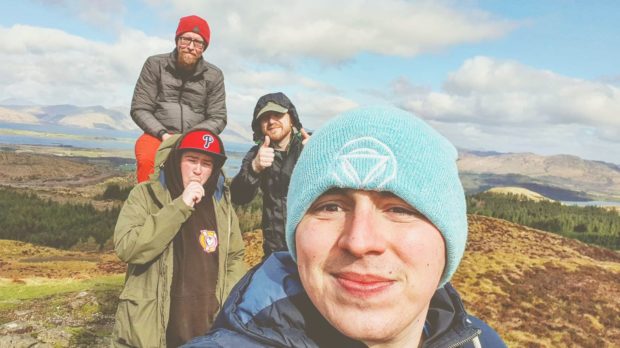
(196, 25)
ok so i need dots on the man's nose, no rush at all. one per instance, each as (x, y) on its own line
(363, 232)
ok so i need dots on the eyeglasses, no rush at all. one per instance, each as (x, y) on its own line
(186, 41)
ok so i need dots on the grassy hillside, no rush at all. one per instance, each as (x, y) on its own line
(589, 224)
(539, 289)
(535, 288)
(56, 297)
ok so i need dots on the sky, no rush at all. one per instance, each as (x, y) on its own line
(540, 76)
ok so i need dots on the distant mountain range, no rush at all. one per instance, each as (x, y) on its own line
(71, 119)
(90, 117)
(561, 177)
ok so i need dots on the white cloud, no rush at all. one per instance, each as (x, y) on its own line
(335, 31)
(258, 45)
(66, 68)
(316, 101)
(549, 140)
(514, 107)
(488, 91)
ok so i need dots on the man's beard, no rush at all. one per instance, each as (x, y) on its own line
(187, 61)
(282, 136)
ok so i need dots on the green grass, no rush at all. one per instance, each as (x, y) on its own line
(11, 294)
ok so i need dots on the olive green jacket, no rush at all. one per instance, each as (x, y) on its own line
(143, 238)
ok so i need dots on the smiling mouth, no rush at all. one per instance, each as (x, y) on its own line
(363, 285)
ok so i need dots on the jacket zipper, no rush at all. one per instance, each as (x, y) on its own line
(223, 289)
(163, 275)
(469, 338)
(181, 105)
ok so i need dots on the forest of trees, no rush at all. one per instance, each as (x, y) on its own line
(589, 224)
(27, 217)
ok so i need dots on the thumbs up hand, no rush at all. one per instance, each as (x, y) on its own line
(304, 136)
(264, 156)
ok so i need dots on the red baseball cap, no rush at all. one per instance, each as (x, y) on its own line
(196, 25)
(203, 141)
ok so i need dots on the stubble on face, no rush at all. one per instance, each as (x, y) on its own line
(188, 56)
(186, 59)
(278, 127)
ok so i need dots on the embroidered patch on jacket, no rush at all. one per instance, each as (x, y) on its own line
(208, 241)
(365, 162)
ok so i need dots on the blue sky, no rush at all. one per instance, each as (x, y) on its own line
(508, 76)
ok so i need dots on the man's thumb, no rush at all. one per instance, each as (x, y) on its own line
(266, 142)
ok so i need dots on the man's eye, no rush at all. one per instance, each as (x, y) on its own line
(329, 207)
(404, 211)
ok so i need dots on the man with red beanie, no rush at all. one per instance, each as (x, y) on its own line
(176, 92)
(180, 236)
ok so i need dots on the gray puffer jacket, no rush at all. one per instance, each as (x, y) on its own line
(165, 99)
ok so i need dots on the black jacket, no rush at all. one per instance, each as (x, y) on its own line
(269, 308)
(273, 182)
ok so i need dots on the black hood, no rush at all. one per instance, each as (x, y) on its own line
(172, 169)
(280, 99)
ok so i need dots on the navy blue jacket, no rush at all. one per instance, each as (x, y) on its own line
(269, 308)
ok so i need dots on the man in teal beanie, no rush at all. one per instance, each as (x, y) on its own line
(376, 228)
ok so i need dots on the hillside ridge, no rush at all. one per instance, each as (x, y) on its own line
(530, 285)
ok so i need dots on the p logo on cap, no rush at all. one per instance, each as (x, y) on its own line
(204, 141)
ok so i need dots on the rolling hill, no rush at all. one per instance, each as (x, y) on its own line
(75, 120)
(560, 177)
(535, 288)
(519, 191)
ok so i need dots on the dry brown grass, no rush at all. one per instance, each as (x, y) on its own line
(538, 289)
(535, 288)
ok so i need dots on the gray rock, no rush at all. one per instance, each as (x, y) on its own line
(15, 327)
(21, 341)
(56, 337)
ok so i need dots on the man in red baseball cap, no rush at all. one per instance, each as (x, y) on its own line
(176, 92)
(180, 236)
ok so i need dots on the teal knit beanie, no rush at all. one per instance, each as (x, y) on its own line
(383, 149)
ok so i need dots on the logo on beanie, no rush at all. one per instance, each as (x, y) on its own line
(364, 163)
(208, 140)
(196, 30)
